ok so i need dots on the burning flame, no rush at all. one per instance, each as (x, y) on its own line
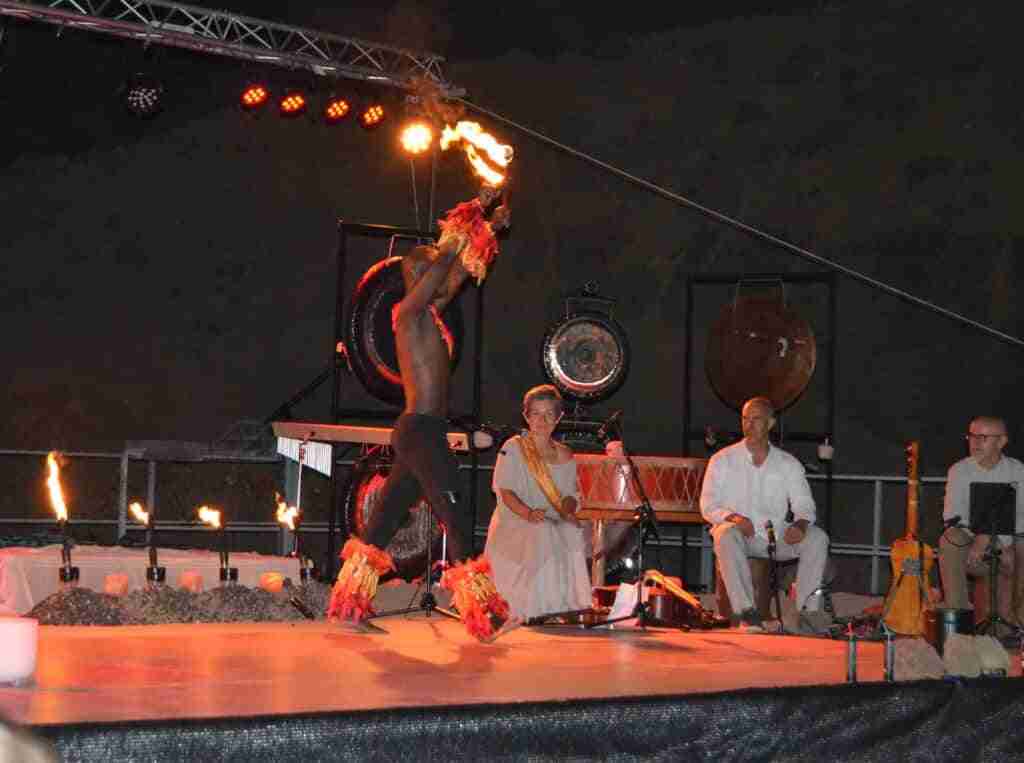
(210, 516)
(53, 483)
(140, 514)
(287, 515)
(476, 141)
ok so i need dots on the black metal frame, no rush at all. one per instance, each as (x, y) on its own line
(827, 279)
(338, 367)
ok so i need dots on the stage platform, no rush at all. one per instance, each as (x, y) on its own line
(307, 691)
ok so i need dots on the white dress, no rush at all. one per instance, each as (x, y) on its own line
(541, 567)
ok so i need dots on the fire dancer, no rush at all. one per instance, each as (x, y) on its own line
(424, 466)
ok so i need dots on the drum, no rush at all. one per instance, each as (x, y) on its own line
(408, 548)
(671, 484)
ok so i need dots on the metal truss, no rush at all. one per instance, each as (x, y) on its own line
(228, 34)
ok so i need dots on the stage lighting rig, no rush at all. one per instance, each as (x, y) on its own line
(255, 96)
(372, 115)
(143, 95)
(336, 108)
(417, 137)
(293, 103)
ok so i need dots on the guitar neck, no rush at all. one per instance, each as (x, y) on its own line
(913, 486)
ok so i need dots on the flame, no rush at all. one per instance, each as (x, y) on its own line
(475, 141)
(287, 515)
(210, 516)
(140, 514)
(53, 483)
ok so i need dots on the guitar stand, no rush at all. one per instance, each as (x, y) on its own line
(428, 602)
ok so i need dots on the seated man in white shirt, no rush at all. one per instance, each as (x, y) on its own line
(747, 485)
(961, 552)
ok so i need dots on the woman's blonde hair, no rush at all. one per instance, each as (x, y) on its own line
(543, 392)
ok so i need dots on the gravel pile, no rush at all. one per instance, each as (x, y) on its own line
(161, 604)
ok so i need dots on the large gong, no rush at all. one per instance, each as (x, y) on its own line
(408, 548)
(586, 355)
(370, 339)
(760, 346)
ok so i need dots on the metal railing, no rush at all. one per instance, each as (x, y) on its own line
(875, 551)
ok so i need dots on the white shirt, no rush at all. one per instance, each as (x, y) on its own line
(967, 470)
(761, 493)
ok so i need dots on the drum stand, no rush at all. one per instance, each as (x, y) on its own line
(428, 603)
(646, 525)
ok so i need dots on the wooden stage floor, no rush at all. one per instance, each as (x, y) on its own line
(114, 674)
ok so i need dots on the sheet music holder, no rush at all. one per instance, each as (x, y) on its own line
(993, 513)
(993, 508)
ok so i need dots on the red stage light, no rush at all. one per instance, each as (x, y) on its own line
(254, 96)
(336, 109)
(372, 116)
(292, 104)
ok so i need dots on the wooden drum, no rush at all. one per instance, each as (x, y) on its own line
(607, 489)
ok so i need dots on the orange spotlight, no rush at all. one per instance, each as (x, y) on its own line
(336, 109)
(293, 104)
(372, 115)
(254, 96)
(417, 137)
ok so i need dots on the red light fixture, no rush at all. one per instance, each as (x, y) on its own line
(254, 96)
(293, 104)
(373, 115)
(336, 109)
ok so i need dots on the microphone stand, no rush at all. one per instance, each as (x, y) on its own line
(646, 524)
(773, 573)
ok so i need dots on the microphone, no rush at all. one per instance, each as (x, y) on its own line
(602, 433)
(953, 521)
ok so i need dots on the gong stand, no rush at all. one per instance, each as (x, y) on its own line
(646, 525)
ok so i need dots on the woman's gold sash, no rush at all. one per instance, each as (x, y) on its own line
(539, 471)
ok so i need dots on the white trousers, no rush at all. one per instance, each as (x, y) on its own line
(732, 548)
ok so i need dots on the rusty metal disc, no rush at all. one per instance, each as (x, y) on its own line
(759, 346)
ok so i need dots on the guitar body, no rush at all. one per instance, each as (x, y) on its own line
(912, 562)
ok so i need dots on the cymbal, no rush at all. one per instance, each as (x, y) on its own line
(759, 346)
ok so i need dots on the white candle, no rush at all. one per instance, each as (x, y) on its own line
(20, 637)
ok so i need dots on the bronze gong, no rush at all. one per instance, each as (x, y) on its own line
(760, 346)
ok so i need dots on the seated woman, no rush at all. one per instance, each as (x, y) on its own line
(535, 544)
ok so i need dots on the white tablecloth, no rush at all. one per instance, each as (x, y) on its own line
(29, 575)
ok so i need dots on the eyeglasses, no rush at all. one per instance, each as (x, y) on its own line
(975, 437)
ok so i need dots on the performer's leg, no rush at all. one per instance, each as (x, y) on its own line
(813, 554)
(731, 553)
(422, 444)
(954, 544)
(399, 493)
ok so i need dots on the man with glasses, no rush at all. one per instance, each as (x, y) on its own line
(961, 552)
(748, 485)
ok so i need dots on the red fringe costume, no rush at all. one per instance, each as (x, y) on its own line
(478, 601)
(356, 586)
(468, 218)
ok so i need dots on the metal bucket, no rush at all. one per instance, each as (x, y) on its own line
(941, 623)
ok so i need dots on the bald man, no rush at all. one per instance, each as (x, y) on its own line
(748, 485)
(961, 552)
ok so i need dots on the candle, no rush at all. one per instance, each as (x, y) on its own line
(68, 574)
(20, 637)
(212, 517)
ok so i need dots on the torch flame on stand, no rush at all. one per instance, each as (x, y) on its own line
(53, 483)
(140, 514)
(209, 516)
(496, 155)
(287, 515)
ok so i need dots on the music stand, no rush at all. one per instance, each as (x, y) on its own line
(993, 512)
(646, 525)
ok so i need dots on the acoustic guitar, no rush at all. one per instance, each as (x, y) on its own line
(912, 561)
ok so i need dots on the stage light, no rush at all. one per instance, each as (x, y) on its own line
(293, 104)
(336, 109)
(417, 137)
(372, 116)
(254, 96)
(143, 95)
